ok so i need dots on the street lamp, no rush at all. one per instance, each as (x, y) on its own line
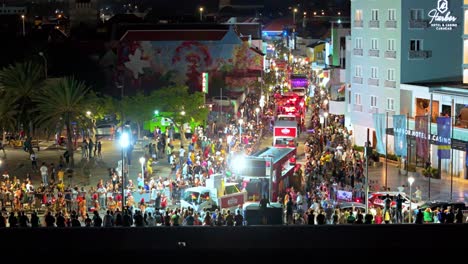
(88, 113)
(45, 63)
(241, 121)
(142, 162)
(201, 13)
(325, 115)
(24, 29)
(294, 15)
(124, 142)
(229, 139)
(257, 110)
(410, 211)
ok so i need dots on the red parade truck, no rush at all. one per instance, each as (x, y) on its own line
(285, 134)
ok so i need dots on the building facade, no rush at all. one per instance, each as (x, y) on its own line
(394, 42)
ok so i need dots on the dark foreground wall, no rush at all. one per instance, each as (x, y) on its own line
(235, 240)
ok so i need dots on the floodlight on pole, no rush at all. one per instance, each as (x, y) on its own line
(241, 121)
(24, 28)
(410, 211)
(257, 111)
(142, 162)
(124, 143)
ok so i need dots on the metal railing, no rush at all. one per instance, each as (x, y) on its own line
(391, 24)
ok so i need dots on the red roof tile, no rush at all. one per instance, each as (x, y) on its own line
(278, 24)
(174, 35)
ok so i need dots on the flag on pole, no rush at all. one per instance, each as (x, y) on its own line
(444, 127)
(399, 133)
(421, 127)
(380, 127)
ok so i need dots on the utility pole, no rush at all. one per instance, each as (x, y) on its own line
(367, 152)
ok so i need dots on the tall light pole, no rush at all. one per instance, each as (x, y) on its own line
(142, 162)
(241, 121)
(45, 63)
(24, 28)
(257, 111)
(325, 115)
(201, 13)
(410, 211)
(124, 142)
(294, 15)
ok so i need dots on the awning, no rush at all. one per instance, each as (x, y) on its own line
(316, 43)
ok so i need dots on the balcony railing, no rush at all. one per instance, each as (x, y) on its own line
(373, 82)
(357, 108)
(420, 54)
(358, 23)
(373, 53)
(358, 52)
(357, 80)
(390, 112)
(374, 24)
(390, 84)
(390, 54)
(390, 24)
(418, 24)
(374, 110)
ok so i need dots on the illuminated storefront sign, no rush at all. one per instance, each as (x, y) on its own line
(422, 135)
(441, 18)
(205, 82)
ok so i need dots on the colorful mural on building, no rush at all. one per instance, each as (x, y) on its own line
(147, 65)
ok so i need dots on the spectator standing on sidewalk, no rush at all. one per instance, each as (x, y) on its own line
(44, 173)
(33, 158)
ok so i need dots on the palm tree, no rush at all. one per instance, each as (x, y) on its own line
(7, 116)
(62, 103)
(20, 83)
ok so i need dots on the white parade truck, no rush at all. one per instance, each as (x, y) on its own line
(216, 194)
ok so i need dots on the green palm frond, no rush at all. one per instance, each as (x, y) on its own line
(64, 98)
(7, 114)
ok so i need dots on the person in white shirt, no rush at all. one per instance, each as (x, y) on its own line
(44, 173)
(181, 155)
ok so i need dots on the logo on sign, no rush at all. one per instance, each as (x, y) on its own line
(441, 17)
(442, 6)
(285, 131)
(232, 201)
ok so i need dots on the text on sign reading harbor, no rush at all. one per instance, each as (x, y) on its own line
(441, 18)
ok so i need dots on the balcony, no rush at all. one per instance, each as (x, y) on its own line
(418, 24)
(374, 53)
(374, 110)
(420, 54)
(357, 108)
(357, 80)
(374, 24)
(390, 84)
(390, 24)
(390, 54)
(358, 23)
(337, 107)
(373, 82)
(358, 52)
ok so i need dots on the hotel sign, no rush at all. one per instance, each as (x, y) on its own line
(417, 134)
(441, 17)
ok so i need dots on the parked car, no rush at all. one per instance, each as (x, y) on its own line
(378, 198)
(105, 130)
(221, 100)
(443, 205)
(351, 205)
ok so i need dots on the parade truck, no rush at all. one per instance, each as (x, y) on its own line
(215, 195)
(285, 134)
